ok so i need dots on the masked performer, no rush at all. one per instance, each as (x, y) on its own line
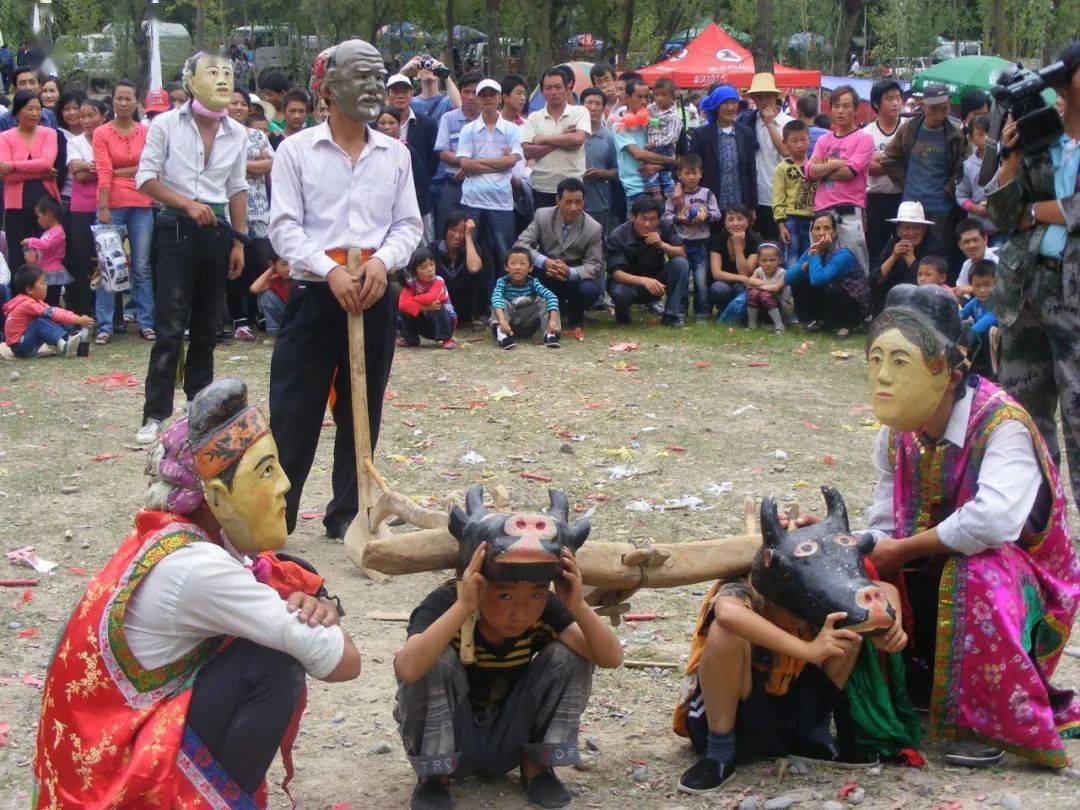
(517, 702)
(970, 518)
(770, 657)
(338, 185)
(194, 164)
(181, 670)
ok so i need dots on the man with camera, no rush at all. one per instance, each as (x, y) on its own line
(1037, 290)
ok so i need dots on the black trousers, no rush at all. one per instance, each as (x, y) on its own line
(879, 209)
(241, 705)
(313, 344)
(242, 303)
(830, 305)
(543, 199)
(80, 252)
(765, 224)
(192, 263)
(19, 224)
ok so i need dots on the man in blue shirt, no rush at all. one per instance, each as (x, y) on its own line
(446, 184)
(27, 78)
(431, 104)
(1034, 199)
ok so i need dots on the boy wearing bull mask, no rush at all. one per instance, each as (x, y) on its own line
(515, 699)
(182, 669)
(762, 680)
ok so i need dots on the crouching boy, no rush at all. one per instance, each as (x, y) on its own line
(509, 690)
(763, 681)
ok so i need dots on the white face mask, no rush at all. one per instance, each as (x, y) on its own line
(356, 81)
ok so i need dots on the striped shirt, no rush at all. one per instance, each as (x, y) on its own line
(505, 291)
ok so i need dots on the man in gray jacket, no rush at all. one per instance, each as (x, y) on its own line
(567, 251)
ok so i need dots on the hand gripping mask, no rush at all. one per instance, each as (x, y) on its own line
(818, 569)
(521, 546)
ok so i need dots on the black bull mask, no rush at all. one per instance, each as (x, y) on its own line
(818, 569)
(521, 546)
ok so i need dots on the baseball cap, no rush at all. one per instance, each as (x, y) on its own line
(157, 101)
(398, 78)
(935, 93)
(488, 84)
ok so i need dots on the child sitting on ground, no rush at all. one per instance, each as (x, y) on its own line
(272, 292)
(519, 301)
(765, 287)
(693, 209)
(48, 249)
(982, 320)
(508, 692)
(933, 269)
(424, 308)
(30, 323)
(665, 126)
(793, 194)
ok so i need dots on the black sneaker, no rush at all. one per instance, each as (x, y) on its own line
(850, 757)
(551, 340)
(973, 755)
(431, 794)
(507, 343)
(705, 776)
(812, 326)
(622, 314)
(545, 790)
(673, 321)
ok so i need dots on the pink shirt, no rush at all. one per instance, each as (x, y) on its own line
(857, 150)
(22, 309)
(30, 163)
(115, 151)
(50, 248)
(83, 194)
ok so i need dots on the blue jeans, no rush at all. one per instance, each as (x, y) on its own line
(799, 230)
(273, 310)
(435, 325)
(494, 236)
(140, 231)
(697, 255)
(662, 180)
(40, 331)
(675, 277)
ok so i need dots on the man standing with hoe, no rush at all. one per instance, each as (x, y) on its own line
(340, 188)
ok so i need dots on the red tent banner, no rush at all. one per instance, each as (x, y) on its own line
(713, 56)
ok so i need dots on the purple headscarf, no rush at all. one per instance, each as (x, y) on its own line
(174, 486)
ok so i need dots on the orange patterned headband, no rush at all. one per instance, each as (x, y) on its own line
(224, 447)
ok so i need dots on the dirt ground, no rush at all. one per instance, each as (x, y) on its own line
(701, 412)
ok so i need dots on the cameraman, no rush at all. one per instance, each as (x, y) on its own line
(1037, 292)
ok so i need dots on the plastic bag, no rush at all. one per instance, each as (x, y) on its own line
(113, 264)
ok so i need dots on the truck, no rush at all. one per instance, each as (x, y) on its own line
(93, 60)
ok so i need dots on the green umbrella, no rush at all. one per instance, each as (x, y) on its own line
(964, 72)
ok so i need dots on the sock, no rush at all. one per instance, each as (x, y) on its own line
(721, 747)
(751, 317)
(778, 322)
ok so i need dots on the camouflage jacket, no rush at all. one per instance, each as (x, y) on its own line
(1034, 182)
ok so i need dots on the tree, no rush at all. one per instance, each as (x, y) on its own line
(849, 19)
(627, 30)
(762, 40)
(494, 46)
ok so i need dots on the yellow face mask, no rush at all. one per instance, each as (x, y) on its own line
(904, 390)
(252, 510)
(212, 82)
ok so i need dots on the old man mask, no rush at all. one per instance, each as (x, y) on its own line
(818, 569)
(351, 75)
(521, 546)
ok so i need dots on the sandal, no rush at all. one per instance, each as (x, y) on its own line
(102, 339)
(148, 334)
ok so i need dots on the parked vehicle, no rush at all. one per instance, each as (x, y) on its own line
(92, 59)
(477, 55)
(277, 47)
(948, 49)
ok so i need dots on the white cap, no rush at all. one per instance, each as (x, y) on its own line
(398, 78)
(488, 84)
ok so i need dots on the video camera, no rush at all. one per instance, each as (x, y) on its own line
(1018, 93)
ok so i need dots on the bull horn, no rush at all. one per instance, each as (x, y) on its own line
(771, 530)
(474, 502)
(560, 509)
(835, 503)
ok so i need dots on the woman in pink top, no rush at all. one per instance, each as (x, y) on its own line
(118, 145)
(29, 156)
(83, 206)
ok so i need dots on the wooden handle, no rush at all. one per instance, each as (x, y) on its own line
(358, 384)
(467, 650)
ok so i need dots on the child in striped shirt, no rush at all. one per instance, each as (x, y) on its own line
(518, 303)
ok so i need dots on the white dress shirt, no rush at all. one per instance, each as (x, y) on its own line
(964, 279)
(174, 155)
(767, 158)
(1008, 484)
(322, 200)
(201, 591)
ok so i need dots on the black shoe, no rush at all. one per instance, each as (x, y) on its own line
(507, 343)
(545, 790)
(622, 315)
(336, 530)
(973, 755)
(551, 340)
(675, 322)
(830, 753)
(705, 776)
(431, 794)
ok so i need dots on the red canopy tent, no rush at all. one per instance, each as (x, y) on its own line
(713, 56)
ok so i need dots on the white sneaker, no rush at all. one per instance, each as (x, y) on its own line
(71, 348)
(148, 433)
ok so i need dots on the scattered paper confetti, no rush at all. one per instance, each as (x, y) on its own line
(472, 457)
(829, 461)
(841, 355)
(4, 729)
(675, 448)
(106, 456)
(501, 394)
(530, 476)
(33, 680)
(26, 556)
(29, 632)
(716, 490)
(744, 409)
(758, 364)
(702, 364)
(310, 514)
(619, 452)
(623, 346)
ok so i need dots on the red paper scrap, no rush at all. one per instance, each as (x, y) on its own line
(27, 595)
(811, 426)
(106, 456)
(17, 583)
(675, 448)
(77, 571)
(4, 729)
(702, 364)
(829, 461)
(758, 364)
(310, 515)
(530, 476)
(5, 403)
(592, 406)
(32, 680)
(413, 405)
(117, 379)
(847, 789)
(642, 617)
(29, 632)
(408, 423)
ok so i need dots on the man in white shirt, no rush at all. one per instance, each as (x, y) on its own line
(971, 239)
(882, 194)
(767, 122)
(554, 139)
(338, 185)
(194, 164)
(488, 149)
